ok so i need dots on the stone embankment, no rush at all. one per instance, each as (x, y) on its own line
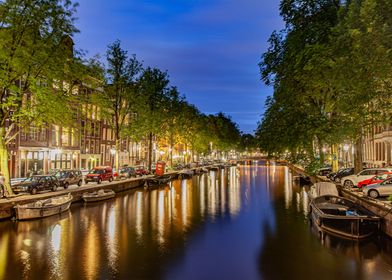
(7, 204)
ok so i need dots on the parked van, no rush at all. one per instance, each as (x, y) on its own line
(99, 174)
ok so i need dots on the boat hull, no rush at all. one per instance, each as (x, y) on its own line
(158, 181)
(352, 227)
(98, 198)
(36, 213)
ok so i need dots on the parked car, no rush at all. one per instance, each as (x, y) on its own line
(375, 179)
(141, 170)
(153, 167)
(353, 180)
(115, 173)
(343, 172)
(324, 171)
(127, 172)
(383, 188)
(36, 183)
(69, 177)
(99, 174)
(178, 166)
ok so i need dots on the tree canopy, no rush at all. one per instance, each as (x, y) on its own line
(330, 69)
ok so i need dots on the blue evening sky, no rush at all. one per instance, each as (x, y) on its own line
(210, 48)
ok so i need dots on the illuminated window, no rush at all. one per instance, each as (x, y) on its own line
(65, 137)
(55, 135)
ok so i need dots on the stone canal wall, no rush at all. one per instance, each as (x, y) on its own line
(7, 205)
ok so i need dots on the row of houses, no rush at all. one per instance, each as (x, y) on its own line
(377, 146)
(90, 142)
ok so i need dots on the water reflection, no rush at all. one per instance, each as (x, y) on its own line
(248, 222)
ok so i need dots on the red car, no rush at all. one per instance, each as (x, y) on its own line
(375, 179)
(99, 174)
(140, 170)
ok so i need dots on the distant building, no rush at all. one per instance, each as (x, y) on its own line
(377, 146)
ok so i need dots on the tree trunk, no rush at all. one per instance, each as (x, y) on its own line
(149, 151)
(171, 150)
(117, 156)
(186, 154)
(321, 152)
(335, 158)
(4, 164)
(358, 154)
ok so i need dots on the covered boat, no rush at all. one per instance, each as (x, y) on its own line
(43, 208)
(322, 188)
(158, 180)
(214, 167)
(343, 217)
(98, 195)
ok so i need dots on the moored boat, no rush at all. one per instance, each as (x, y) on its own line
(204, 170)
(98, 195)
(343, 217)
(322, 188)
(43, 208)
(158, 180)
(214, 167)
(185, 174)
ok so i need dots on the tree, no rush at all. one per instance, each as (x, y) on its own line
(226, 135)
(35, 58)
(119, 99)
(363, 47)
(153, 90)
(299, 65)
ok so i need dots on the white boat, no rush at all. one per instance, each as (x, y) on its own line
(98, 195)
(43, 208)
(323, 188)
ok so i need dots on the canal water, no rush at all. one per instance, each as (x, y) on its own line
(243, 223)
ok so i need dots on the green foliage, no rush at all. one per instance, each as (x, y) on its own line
(247, 143)
(330, 68)
(36, 66)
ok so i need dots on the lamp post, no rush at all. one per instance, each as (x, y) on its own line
(345, 148)
(161, 153)
(113, 153)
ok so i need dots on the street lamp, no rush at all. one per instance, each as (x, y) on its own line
(113, 153)
(345, 148)
(161, 153)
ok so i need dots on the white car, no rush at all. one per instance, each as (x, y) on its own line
(353, 180)
(380, 189)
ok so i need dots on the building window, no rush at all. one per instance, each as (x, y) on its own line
(65, 137)
(55, 135)
(74, 138)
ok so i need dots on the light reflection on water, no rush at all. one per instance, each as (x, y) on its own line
(242, 223)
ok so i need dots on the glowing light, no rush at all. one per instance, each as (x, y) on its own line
(56, 238)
